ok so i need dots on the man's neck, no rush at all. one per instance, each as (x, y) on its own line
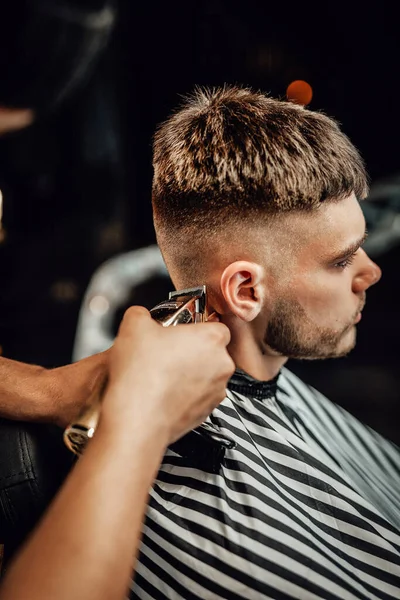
(253, 359)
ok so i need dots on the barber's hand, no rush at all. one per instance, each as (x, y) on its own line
(167, 379)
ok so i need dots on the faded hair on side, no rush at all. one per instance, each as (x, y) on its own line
(232, 153)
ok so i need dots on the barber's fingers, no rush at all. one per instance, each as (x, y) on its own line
(220, 330)
(136, 312)
(136, 315)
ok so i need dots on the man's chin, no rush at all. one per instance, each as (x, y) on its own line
(324, 351)
(344, 347)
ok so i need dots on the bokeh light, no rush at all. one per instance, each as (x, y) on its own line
(300, 92)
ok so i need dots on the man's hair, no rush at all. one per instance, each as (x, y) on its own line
(232, 154)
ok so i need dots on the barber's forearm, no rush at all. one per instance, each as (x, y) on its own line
(25, 391)
(86, 544)
(32, 393)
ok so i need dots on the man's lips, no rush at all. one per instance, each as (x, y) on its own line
(358, 316)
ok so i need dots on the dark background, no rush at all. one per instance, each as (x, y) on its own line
(76, 185)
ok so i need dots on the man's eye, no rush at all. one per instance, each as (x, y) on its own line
(345, 263)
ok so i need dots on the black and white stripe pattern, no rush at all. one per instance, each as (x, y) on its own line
(306, 506)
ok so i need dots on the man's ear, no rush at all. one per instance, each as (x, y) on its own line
(243, 288)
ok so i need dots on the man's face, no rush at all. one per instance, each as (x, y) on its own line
(321, 285)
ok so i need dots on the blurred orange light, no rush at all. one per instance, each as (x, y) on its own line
(299, 92)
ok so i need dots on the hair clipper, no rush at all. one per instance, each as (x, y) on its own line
(182, 306)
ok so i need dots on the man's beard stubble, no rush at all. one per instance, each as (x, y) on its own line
(291, 333)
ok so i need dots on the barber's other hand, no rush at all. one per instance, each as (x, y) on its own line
(167, 379)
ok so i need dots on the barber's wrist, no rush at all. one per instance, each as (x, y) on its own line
(136, 450)
(135, 440)
(72, 385)
(125, 417)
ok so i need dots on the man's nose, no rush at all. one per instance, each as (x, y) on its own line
(368, 273)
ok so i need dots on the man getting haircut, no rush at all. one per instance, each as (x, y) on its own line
(259, 200)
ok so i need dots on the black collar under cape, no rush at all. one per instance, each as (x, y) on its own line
(246, 385)
(204, 451)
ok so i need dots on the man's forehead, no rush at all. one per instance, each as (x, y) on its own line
(287, 240)
(335, 227)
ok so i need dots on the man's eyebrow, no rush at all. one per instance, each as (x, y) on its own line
(352, 249)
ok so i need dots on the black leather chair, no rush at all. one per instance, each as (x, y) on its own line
(33, 464)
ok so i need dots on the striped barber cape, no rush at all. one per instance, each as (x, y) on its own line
(306, 506)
